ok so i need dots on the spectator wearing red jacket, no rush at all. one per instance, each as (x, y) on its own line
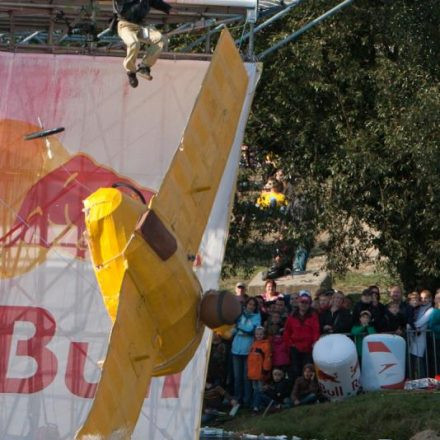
(300, 334)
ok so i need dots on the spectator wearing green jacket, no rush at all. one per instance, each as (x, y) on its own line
(359, 331)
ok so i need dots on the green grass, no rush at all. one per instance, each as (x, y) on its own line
(355, 282)
(230, 282)
(395, 415)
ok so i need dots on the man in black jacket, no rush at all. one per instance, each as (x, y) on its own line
(133, 31)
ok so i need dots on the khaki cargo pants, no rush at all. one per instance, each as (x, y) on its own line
(133, 35)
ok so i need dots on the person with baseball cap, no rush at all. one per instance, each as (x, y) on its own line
(300, 334)
(240, 292)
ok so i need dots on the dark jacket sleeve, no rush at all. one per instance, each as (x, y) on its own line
(324, 320)
(342, 322)
(409, 315)
(160, 5)
(135, 11)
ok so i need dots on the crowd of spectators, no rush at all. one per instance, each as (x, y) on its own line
(267, 359)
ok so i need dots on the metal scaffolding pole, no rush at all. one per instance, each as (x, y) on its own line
(218, 28)
(250, 54)
(269, 21)
(29, 38)
(305, 28)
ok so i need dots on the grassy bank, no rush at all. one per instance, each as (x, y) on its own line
(395, 415)
(352, 281)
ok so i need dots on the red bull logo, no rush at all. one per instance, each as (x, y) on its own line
(327, 377)
(51, 213)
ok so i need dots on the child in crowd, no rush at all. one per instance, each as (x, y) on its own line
(324, 299)
(414, 299)
(348, 303)
(280, 307)
(306, 388)
(280, 351)
(274, 318)
(262, 308)
(215, 399)
(293, 302)
(276, 392)
(259, 363)
(394, 320)
(362, 329)
(218, 360)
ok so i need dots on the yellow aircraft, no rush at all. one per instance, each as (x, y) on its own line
(142, 255)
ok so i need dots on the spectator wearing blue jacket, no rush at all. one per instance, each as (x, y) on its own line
(246, 324)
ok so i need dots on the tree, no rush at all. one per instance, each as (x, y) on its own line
(353, 108)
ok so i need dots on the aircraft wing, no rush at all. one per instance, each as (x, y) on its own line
(187, 193)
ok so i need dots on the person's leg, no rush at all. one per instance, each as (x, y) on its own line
(238, 377)
(287, 402)
(129, 35)
(300, 360)
(154, 47)
(300, 260)
(206, 418)
(229, 371)
(306, 358)
(295, 364)
(262, 401)
(437, 356)
(256, 390)
(413, 366)
(247, 397)
(430, 354)
(309, 399)
(422, 366)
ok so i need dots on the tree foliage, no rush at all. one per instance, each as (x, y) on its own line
(353, 108)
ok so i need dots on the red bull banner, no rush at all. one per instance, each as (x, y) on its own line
(54, 328)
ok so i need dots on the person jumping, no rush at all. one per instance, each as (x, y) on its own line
(134, 31)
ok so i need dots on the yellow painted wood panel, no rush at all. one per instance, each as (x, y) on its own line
(159, 300)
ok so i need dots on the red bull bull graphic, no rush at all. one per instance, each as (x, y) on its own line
(327, 377)
(51, 213)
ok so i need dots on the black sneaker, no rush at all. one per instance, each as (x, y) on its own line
(144, 72)
(132, 79)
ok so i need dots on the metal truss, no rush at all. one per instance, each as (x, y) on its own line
(81, 26)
